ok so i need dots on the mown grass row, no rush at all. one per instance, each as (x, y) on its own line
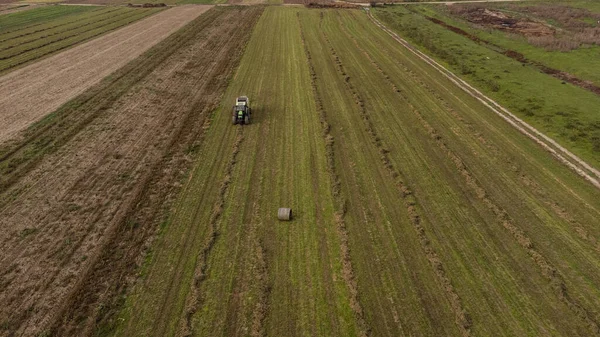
(39, 30)
(419, 97)
(19, 31)
(262, 276)
(25, 49)
(39, 16)
(110, 21)
(418, 212)
(562, 111)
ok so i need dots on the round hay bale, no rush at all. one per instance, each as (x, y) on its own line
(284, 214)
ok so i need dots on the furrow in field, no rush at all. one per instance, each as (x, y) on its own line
(30, 93)
(42, 16)
(88, 190)
(38, 43)
(340, 203)
(30, 52)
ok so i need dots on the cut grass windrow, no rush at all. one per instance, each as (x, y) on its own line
(29, 51)
(340, 203)
(463, 319)
(42, 27)
(562, 154)
(547, 269)
(194, 299)
(46, 37)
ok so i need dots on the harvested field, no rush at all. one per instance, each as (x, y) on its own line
(137, 208)
(417, 210)
(30, 93)
(102, 192)
(22, 45)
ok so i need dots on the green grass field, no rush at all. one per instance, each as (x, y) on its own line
(28, 36)
(418, 211)
(563, 111)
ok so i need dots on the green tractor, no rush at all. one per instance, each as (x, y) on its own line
(241, 111)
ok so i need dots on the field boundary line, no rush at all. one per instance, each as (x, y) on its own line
(578, 165)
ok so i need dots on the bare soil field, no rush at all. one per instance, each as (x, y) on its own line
(28, 94)
(74, 222)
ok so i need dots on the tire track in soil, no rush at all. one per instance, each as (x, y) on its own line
(130, 195)
(548, 271)
(339, 202)
(194, 298)
(462, 318)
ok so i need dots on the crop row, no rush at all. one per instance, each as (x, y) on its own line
(49, 36)
(52, 24)
(39, 16)
(45, 46)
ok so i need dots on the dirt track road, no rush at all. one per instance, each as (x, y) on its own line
(30, 93)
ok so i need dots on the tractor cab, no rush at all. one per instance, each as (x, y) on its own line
(241, 111)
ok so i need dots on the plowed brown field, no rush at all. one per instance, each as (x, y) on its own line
(74, 219)
(28, 94)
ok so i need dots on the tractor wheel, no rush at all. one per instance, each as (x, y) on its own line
(247, 120)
